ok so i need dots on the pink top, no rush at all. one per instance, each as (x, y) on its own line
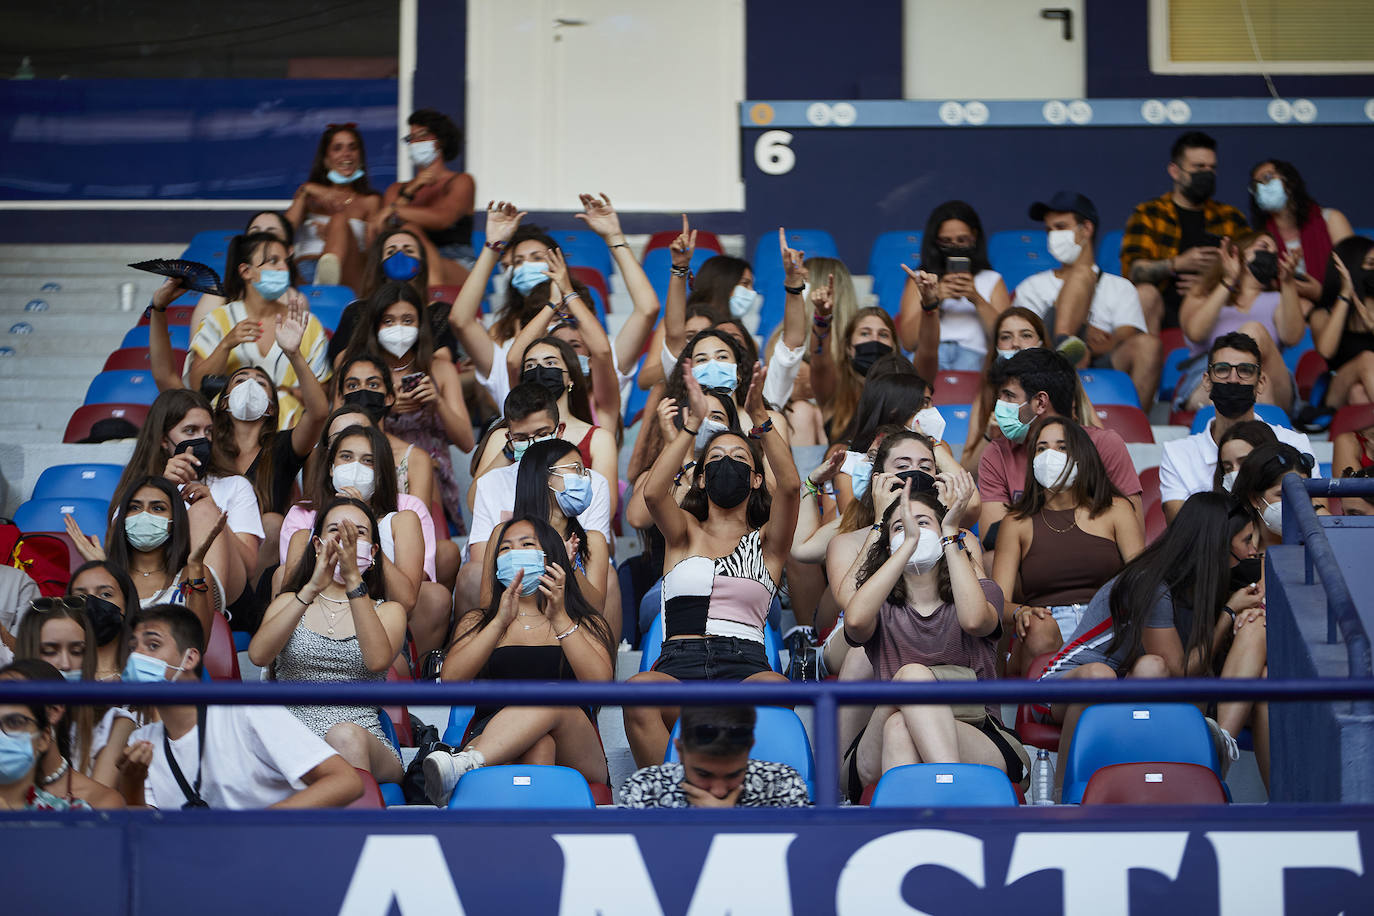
(1002, 469)
(300, 517)
(1230, 318)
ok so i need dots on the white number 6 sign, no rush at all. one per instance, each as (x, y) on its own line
(772, 154)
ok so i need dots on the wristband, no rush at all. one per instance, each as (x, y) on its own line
(930, 308)
(809, 487)
(562, 636)
(758, 432)
(793, 290)
(572, 295)
(297, 596)
(359, 592)
(497, 247)
(692, 431)
(679, 271)
(619, 245)
(956, 539)
(821, 321)
(195, 585)
(1228, 610)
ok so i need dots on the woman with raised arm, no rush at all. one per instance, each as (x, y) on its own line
(272, 222)
(1343, 323)
(726, 546)
(330, 211)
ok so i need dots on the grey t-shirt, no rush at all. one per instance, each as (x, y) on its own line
(16, 591)
(1095, 634)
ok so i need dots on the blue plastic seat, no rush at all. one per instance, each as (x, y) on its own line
(121, 387)
(84, 481)
(1018, 254)
(46, 515)
(1109, 386)
(956, 425)
(584, 248)
(521, 786)
(885, 259)
(327, 303)
(933, 785)
(458, 719)
(768, 272)
(1135, 733)
(779, 736)
(1109, 251)
(137, 336)
(1269, 413)
(1171, 373)
(652, 645)
(639, 397)
(210, 247)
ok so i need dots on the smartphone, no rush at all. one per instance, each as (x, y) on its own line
(957, 265)
(408, 382)
(212, 386)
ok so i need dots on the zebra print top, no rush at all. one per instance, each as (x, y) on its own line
(719, 596)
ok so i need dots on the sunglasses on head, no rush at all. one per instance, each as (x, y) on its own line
(64, 602)
(702, 735)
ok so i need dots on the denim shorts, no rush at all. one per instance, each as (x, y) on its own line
(711, 658)
(956, 356)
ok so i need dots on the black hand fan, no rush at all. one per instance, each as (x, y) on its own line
(192, 274)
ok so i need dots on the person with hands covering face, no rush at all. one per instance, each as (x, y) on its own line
(1343, 323)
(1281, 205)
(535, 626)
(330, 623)
(725, 549)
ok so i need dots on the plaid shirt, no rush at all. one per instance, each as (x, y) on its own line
(766, 785)
(1153, 231)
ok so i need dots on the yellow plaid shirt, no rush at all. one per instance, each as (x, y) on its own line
(1153, 232)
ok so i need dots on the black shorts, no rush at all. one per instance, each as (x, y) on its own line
(711, 658)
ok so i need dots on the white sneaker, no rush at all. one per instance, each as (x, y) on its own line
(327, 270)
(443, 769)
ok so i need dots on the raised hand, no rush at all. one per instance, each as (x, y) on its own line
(955, 494)
(927, 284)
(572, 545)
(684, 245)
(326, 558)
(502, 220)
(884, 493)
(827, 469)
(599, 215)
(291, 323)
(551, 586)
(696, 398)
(509, 607)
(1231, 262)
(88, 545)
(823, 297)
(183, 468)
(198, 555)
(910, 527)
(753, 401)
(792, 260)
(1288, 268)
(246, 331)
(168, 292)
(558, 272)
(667, 411)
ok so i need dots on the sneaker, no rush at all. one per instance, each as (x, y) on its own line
(328, 270)
(443, 769)
(1071, 347)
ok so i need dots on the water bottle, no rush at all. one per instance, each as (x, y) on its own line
(1042, 778)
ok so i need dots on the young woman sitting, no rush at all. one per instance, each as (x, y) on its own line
(1259, 484)
(330, 211)
(26, 736)
(1234, 446)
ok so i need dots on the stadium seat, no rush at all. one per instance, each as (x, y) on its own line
(122, 387)
(598, 305)
(1172, 339)
(1033, 732)
(1171, 372)
(1311, 366)
(1181, 417)
(135, 359)
(1130, 422)
(1018, 254)
(706, 241)
(327, 303)
(1134, 733)
(885, 259)
(768, 273)
(459, 718)
(954, 386)
(1155, 523)
(1269, 413)
(638, 399)
(176, 314)
(956, 425)
(1292, 355)
(1352, 417)
(372, 793)
(137, 336)
(1155, 783)
(593, 279)
(221, 659)
(659, 262)
(444, 293)
(652, 644)
(935, 785)
(46, 515)
(86, 416)
(1108, 386)
(1149, 482)
(779, 736)
(584, 248)
(1109, 252)
(85, 481)
(522, 787)
(399, 716)
(210, 247)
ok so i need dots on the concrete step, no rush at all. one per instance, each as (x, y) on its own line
(71, 386)
(31, 284)
(124, 253)
(68, 323)
(106, 301)
(75, 366)
(62, 344)
(21, 463)
(62, 270)
(40, 413)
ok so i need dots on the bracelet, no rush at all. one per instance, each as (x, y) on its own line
(878, 527)
(793, 290)
(956, 539)
(195, 585)
(497, 247)
(758, 432)
(1228, 610)
(930, 308)
(297, 596)
(562, 636)
(572, 295)
(809, 487)
(619, 245)
(692, 431)
(821, 321)
(679, 271)
(359, 592)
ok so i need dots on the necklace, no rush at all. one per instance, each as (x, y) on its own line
(532, 626)
(331, 618)
(162, 570)
(56, 774)
(1073, 515)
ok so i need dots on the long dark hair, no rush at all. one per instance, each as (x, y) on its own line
(532, 494)
(579, 402)
(1255, 432)
(374, 276)
(364, 339)
(760, 500)
(1351, 251)
(242, 250)
(518, 308)
(175, 549)
(714, 282)
(320, 486)
(1190, 564)
(848, 383)
(1299, 201)
(1092, 488)
(890, 399)
(579, 609)
(150, 458)
(674, 386)
(1265, 466)
(988, 389)
(859, 513)
(932, 258)
(228, 443)
(319, 174)
(304, 569)
(288, 230)
(122, 580)
(881, 550)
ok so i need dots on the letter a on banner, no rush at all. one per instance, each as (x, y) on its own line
(409, 870)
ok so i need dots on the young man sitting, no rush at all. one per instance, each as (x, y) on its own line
(715, 770)
(228, 757)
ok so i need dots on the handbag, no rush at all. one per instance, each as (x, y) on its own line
(972, 713)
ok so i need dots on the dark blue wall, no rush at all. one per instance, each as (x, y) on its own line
(441, 56)
(790, 54)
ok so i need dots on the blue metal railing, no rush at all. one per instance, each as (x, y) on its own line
(1301, 525)
(825, 697)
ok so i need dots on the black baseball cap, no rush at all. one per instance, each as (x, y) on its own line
(1065, 202)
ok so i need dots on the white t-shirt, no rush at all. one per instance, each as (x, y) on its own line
(235, 495)
(780, 377)
(255, 756)
(495, 500)
(1115, 301)
(1190, 463)
(498, 383)
(959, 320)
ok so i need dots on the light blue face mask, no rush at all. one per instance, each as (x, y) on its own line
(742, 299)
(272, 283)
(73, 675)
(528, 275)
(146, 531)
(1271, 196)
(576, 495)
(512, 561)
(16, 757)
(1008, 417)
(586, 363)
(336, 178)
(145, 669)
(716, 374)
(859, 478)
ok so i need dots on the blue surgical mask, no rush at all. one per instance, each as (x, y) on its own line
(336, 178)
(147, 531)
(859, 478)
(512, 561)
(16, 757)
(272, 283)
(742, 299)
(586, 363)
(1271, 196)
(400, 266)
(1008, 417)
(528, 275)
(73, 675)
(716, 374)
(576, 495)
(146, 669)
(1006, 354)
(520, 446)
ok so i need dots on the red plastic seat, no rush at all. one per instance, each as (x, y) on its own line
(1037, 734)
(1182, 418)
(956, 386)
(372, 793)
(1130, 422)
(707, 240)
(1349, 419)
(400, 715)
(1311, 366)
(444, 293)
(1172, 339)
(1155, 523)
(87, 415)
(176, 314)
(1149, 483)
(221, 660)
(591, 278)
(1154, 784)
(136, 359)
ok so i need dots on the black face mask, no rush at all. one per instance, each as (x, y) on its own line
(1246, 572)
(106, 619)
(727, 482)
(1265, 267)
(1200, 187)
(921, 482)
(866, 354)
(1232, 399)
(1367, 284)
(372, 403)
(551, 377)
(200, 450)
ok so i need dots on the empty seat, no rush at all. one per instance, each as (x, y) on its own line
(1155, 523)
(1018, 254)
(86, 481)
(779, 737)
(930, 785)
(1269, 413)
(955, 386)
(327, 303)
(1171, 372)
(137, 336)
(210, 247)
(135, 359)
(1149, 483)
(520, 786)
(221, 658)
(1311, 367)
(1109, 252)
(1154, 783)
(593, 279)
(708, 242)
(584, 248)
(176, 314)
(46, 515)
(459, 718)
(1133, 733)
(1127, 420)
(1351, 418)
(79, 426)
(1108, 386)
(1291, 355)
(122, 387)
(885, 259)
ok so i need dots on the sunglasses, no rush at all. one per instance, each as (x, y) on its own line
(702, 735)
(66, 602)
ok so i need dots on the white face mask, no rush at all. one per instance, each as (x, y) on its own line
(929, 422)
(398, 339)
(423, 152)
(1063, 247)
(927, 554)
(1053, 470)
(357, 475)
(708, 429)
(1273, 516)
(248, 402)
(1228, 480)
